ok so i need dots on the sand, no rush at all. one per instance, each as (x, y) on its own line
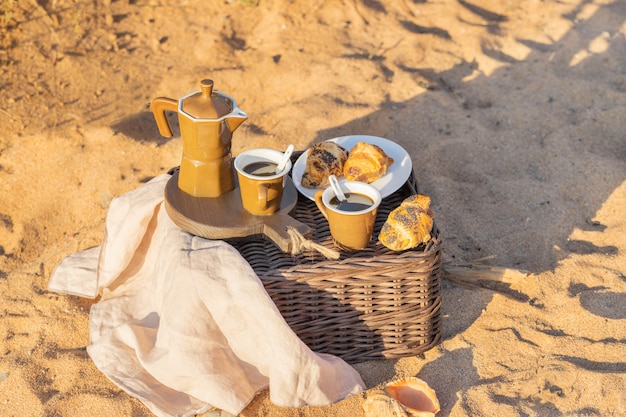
(514, 114)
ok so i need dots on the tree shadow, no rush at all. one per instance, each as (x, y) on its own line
(470, 147)
(600, 301)
(464, 154)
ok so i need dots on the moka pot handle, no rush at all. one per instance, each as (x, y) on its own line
(159, 106)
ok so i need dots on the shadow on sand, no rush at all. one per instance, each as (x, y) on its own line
(467, 126)
(457, 119)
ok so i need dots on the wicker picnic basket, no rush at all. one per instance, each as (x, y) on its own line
(370, 304)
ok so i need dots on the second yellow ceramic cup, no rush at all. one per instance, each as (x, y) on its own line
(351, 227)
(261, 187)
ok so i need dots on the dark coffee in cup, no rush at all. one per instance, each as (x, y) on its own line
(261, 168)
(354, 202)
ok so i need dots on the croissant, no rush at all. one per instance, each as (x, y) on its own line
(408, 225)
(366, 163)
(324, 159)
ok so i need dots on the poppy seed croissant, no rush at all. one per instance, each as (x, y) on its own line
(408, 225)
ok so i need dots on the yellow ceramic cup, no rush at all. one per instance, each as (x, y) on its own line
(350, 229)
(261, 188)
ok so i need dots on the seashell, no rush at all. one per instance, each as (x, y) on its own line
(415, 396)
(379, 404)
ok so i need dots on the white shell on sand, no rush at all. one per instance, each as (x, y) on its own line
(415, 396)
(379, 404)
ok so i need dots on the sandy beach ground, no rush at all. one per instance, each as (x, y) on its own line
(514, 114)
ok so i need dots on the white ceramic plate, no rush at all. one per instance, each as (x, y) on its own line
(394, 178)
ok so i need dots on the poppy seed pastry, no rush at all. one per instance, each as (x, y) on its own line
(366, 163)
(408, 225)
(323, 159)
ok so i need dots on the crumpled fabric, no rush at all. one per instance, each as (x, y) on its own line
(184, 324)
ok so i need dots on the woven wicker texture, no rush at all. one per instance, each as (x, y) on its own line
(370, 304)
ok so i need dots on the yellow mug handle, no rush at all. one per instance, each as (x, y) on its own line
(262, 195)
(320, 203)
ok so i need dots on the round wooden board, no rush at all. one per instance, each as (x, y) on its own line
(224, 217)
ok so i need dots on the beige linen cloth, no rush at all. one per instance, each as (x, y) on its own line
(184, 324)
